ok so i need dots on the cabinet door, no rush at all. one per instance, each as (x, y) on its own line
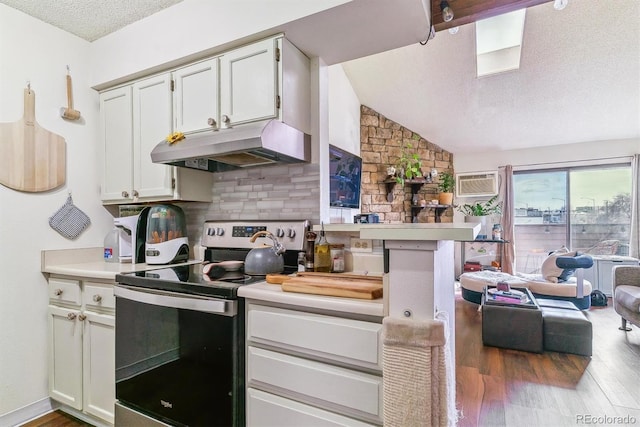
(151, 124)
(248, 83)
(117, 139)
(99, 365)
(265, 409)
(65, 356)
(196, 99)
(354, 342)
(350, 392)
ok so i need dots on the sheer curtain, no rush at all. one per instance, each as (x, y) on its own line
(508, 231)
(634, 240)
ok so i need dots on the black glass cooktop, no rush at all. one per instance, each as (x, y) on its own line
(190, 279)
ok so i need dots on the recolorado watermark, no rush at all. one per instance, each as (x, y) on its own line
(605, 419)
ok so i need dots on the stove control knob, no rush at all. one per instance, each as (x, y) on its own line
(211, 231)
(279, 232)
(291, 233)
(219, 231)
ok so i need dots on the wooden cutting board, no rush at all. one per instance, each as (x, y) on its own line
(335, 286)
(32, 159)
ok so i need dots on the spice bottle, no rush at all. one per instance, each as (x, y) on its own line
(302, 261)
(496, 232)
(322, 252)
(337, 258)
(311, 241)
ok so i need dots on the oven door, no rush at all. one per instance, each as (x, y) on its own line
(179, 357)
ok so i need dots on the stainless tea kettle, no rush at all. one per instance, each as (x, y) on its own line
(265, 260)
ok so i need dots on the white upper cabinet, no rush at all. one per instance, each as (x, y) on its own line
(269, 79)
(116, 128)
(196, 97)
(249, 83)
(134, 119)
(152, 114)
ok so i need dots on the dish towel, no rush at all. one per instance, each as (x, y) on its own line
(69, 221)
(417, 374)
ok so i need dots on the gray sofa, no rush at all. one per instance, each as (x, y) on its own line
(626, 294)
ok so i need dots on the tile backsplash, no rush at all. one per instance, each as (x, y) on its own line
(271, 193)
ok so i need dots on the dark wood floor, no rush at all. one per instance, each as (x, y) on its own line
(497, 387)
(56, 419)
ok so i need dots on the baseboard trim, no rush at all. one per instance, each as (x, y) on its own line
(28, 413)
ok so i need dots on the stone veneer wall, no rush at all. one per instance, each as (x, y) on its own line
(271, 193)
(381, 142)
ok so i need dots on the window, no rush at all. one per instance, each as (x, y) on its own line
(587, 209)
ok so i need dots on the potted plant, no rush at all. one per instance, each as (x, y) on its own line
(478, 212)
(486, 208)
(445, 188)
(409, 166)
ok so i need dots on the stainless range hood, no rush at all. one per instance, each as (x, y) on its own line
(258, 144)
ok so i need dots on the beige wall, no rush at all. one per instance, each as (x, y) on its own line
(31, 50)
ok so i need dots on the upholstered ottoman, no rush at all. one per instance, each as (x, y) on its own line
(555, 303)
(566, 330)
(512, 326)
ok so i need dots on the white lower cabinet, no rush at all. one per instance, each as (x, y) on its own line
(65, 356)
(99, 365)
(266, 409)
(312, 369)
(82, 346)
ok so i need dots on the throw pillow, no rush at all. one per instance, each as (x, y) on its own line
(550, 271)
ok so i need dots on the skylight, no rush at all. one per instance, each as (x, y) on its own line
(499, 43)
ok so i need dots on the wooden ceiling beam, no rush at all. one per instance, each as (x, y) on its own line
(467, 11)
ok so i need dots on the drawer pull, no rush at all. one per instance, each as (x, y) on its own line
(97, 298)
(71, 316)
(57, 292)
(82, 317)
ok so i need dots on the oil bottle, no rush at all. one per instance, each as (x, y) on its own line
(322, 255)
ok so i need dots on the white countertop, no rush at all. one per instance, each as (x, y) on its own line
(87, 262)
(273, 293)
(409, 231)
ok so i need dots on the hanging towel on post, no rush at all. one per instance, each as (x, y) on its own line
(417, 387)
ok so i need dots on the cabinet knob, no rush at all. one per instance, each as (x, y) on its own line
(82, 317)
(97, 298)
(57, 292)
(212, 122)
(135, 193)
(125, 194)
(226, 119)
(71, 316)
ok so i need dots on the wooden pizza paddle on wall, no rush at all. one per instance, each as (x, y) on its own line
(32, 159)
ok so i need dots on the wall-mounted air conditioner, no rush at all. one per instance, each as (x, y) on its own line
(476, 184)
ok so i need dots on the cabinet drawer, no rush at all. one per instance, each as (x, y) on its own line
(346, 340)
(337, 388)
(64, 291)
(264, 409)
(100, 296)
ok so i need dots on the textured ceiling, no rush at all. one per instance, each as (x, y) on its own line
(90, 19)
(579, 80)
(579, 76)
